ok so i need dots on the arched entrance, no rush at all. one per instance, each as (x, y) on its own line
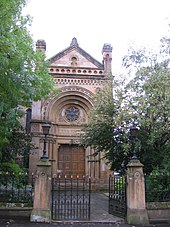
(68, 114)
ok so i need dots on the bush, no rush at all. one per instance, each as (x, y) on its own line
(10, 172)
(157, 187)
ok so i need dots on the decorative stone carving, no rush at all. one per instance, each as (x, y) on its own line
(137, 175)
(35, 127)
(72, 113)
(80, 92)
(42, 174)
(79, 89)
(70, 131)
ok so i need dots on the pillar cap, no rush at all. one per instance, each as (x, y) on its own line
(41, 44)
(107, 48)
(44, 162)
(135, 163)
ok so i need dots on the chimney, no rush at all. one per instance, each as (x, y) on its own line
(107, 58)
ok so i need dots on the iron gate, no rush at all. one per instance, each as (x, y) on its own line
(117, 195)
(71, 198)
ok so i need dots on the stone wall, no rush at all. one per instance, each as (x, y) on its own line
(15, 210)
(158, 211)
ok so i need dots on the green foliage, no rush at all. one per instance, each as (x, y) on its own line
(11, 167)
(149, 106)
(11, 172)
(144, 101)
(19, 145)
(158, 186)
(107, 129)
(24, 73)
(14, 184)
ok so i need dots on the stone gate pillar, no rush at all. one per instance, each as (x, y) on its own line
(42, 193)
(136, 209)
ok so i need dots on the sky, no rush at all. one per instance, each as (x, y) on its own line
(122, 23)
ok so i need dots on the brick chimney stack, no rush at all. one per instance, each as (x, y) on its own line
(41, 45)
(107, 58)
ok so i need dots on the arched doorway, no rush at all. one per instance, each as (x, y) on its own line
(68, 113)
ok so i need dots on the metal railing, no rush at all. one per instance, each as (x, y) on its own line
(71, 198)
(157, 187)
(117, 195)
(15, 188)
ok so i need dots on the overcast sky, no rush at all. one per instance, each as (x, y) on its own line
(94, 22)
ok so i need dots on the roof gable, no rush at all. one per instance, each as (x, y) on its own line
(75, 56)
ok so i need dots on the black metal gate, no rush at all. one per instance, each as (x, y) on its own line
(117, 195)
(71, 198)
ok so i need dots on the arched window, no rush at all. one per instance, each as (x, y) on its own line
(72, 113)
(28, 119)
(74, 61)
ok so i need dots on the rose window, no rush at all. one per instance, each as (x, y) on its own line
(72, 113)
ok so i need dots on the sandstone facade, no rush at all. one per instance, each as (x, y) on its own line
(78, 76)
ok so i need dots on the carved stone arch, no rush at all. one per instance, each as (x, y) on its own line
(56, 111)
(69, 96)
(81, 91)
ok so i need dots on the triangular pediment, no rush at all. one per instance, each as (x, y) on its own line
(74, 56)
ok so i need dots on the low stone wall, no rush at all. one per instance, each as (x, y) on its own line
(158, 211)
(15, 210)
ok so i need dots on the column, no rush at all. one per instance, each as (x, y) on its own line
(42, 193)
(136, 209)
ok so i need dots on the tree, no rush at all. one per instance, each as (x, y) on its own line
(144, 101)
(106, 131)
(149, 106)
(24, 73)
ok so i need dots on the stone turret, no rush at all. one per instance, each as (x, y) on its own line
(41, 45)
(107, 58)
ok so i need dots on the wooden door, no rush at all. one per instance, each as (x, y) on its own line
(71, 160)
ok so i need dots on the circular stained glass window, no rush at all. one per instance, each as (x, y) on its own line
(72, 113)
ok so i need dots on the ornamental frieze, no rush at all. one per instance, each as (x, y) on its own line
(71, 132)
(78, 89)
(88, 82)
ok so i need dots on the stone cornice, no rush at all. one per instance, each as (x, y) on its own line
(69, 71)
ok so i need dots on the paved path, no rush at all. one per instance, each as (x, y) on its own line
(99, 209)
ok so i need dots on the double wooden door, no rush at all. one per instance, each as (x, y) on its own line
(71, 160)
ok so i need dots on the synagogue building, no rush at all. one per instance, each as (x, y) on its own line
(79, 77)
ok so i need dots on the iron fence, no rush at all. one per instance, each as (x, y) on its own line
(15, 188)
(71, 198)
(117, 195)
(157, 187)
